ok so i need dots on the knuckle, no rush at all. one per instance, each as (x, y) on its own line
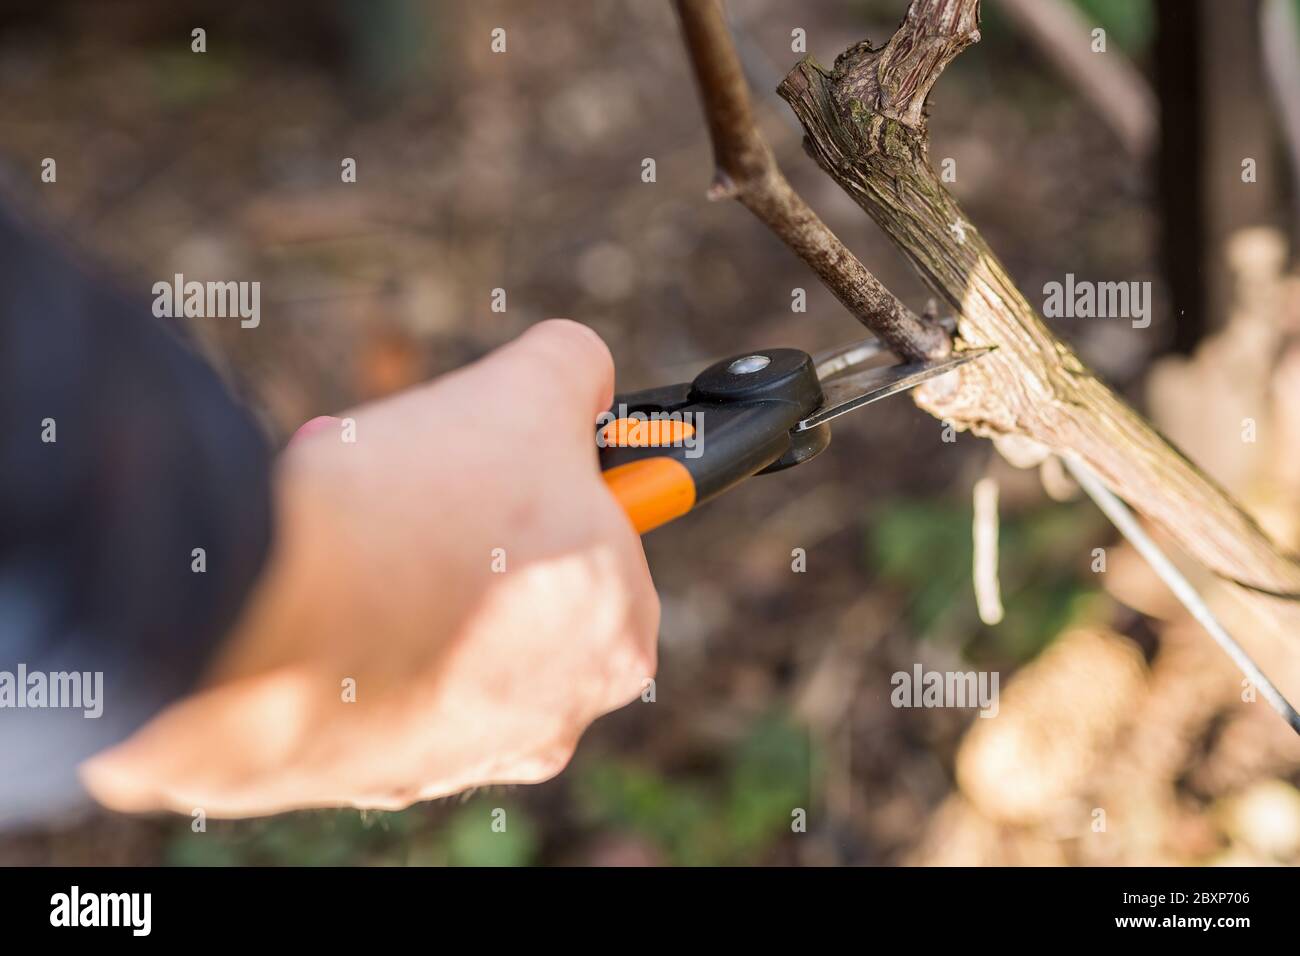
(547, 762)
(567, 358)
(645, 662)
(575, 335)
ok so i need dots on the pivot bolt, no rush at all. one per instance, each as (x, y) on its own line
(748, 364)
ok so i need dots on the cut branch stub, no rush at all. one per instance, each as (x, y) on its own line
(896, 79)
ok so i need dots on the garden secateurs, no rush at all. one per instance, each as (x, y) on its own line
(666, 450)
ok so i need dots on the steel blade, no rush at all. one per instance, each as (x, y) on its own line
(836, 360)
(844, 394)
(844, 357)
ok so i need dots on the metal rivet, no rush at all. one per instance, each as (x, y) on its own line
(750, 363)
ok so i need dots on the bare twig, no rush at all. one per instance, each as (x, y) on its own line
(988, 591)
(1111, 84)
(747, 171)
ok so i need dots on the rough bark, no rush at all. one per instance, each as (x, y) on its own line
(866, 128)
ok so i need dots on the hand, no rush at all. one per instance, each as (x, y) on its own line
(461, 565)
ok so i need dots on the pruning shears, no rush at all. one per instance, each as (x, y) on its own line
(666, 450)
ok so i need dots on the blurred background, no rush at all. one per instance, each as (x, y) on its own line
(522, 171)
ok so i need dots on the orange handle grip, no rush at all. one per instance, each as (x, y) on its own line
(653, 491)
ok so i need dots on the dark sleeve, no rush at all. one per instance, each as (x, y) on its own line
(121, 453)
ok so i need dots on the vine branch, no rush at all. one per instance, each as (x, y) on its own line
(865, 126)
(747, 171)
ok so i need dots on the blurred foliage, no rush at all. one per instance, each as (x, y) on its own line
(183, 80)
(472, 840)
(347, 837)
(734, 821)
(1129, 23)
(734, 813)
(310, 838)
(389, 40)
(924, 548)
(675, 816)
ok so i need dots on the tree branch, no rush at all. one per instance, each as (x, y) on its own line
(747, 171)
(865, 127)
